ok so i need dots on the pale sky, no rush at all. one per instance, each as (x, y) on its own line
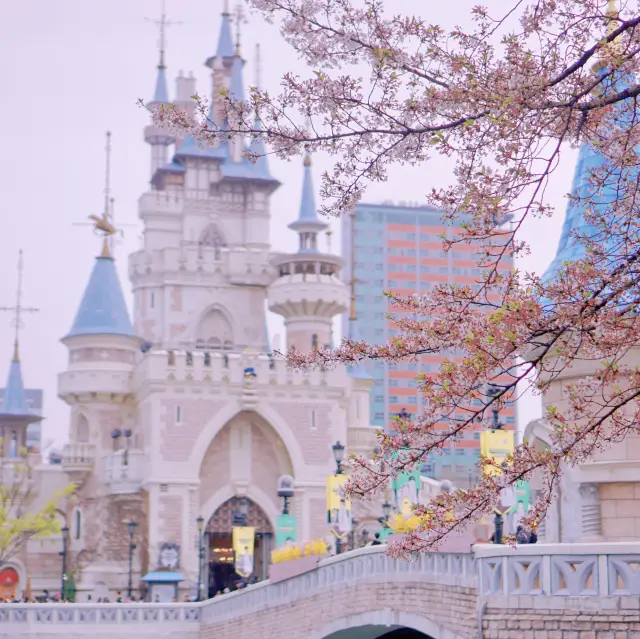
(73, 69)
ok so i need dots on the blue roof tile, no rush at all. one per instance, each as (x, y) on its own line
(308, 215)
(103, 310)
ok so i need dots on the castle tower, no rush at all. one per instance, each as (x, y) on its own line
(308, 293)
(590, 502)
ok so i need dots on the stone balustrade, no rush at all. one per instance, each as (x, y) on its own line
(78, 456)
(216, 367)
(585, 570)
(103, 382)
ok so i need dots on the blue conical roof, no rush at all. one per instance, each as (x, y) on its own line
(236, 85)
(225, 41)
(14, 402)
(257, 149)
(103, 310)
(589, 159)
(308, 216)
(161, 95)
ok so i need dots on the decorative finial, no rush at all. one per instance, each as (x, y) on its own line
(240, 20)
(307, 159)
(18, 309)
(163, 23)
(225, 10)
(104, 225)
(258, 68)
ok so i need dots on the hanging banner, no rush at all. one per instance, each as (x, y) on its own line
(497, 444)
(243, 542)
(406, 489)
(335, 500)
(286, 530)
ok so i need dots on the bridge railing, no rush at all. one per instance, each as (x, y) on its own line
(577, 570)
(29, 615)
(365, 565)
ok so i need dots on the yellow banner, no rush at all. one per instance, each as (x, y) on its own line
(497, 444)
(335, 486)
(243, 541)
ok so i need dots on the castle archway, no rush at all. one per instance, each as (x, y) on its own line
(229, 567)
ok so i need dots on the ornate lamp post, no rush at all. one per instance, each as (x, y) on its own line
(63, 554)
(132, 527)
(285, 491)
(200, 522)
(338, 455)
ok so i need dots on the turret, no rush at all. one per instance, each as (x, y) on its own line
(185, 90)
(103, 350)
(309, 292)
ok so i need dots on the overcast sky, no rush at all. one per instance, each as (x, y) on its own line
(71, 69)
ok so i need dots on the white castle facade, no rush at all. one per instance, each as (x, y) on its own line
(182, 412)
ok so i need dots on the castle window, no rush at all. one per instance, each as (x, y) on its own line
(214, 332)
(314, 341)
(152, 300)
(313, 418)
(82, 430)
(178, 414)
(78, 525)
(207, 359)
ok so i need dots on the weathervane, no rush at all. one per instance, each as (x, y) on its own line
(163, 23)
(18, 309)
(240, 19)
(258, 68)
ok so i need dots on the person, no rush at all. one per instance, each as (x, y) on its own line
(119, 597)
(46, 595)
(157, 599)
(533, 537)
(521, 536)
(376, 540)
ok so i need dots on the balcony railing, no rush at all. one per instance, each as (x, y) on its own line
(78, 456)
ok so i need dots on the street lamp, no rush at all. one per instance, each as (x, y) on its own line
(116, 433)
(63, 554)
(492, 392)
(132, 527)
(386, 510)
(200, 522)
(285, 491)
(338, 455)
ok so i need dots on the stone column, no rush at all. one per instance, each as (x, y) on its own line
(591, 518)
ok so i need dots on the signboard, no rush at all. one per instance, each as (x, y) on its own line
(286, 530)
(497, 444)
(243, 542)
(335, 499)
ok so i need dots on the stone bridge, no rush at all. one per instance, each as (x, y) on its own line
(544, 591)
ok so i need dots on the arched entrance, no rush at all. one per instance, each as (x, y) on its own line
(9, 580)
(379, 632)
(237, 511)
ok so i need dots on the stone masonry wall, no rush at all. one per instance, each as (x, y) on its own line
(618, 618)
(619, 510)
(451, 607)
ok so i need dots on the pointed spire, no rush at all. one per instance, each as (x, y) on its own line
(18, 310)
(161, 95)
(236, 85)
(14, 403)
(225, 41)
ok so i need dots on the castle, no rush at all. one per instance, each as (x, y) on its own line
(182, 413)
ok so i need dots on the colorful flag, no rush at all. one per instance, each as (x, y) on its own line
(243, 542)
(497, 444)
(286, 530)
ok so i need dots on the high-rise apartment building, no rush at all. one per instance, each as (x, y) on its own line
(399, 249)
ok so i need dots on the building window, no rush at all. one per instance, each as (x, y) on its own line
(178, 414)
(152, 300)
(78, 524)
(164, 488)
(313, 418)
(314, 341)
